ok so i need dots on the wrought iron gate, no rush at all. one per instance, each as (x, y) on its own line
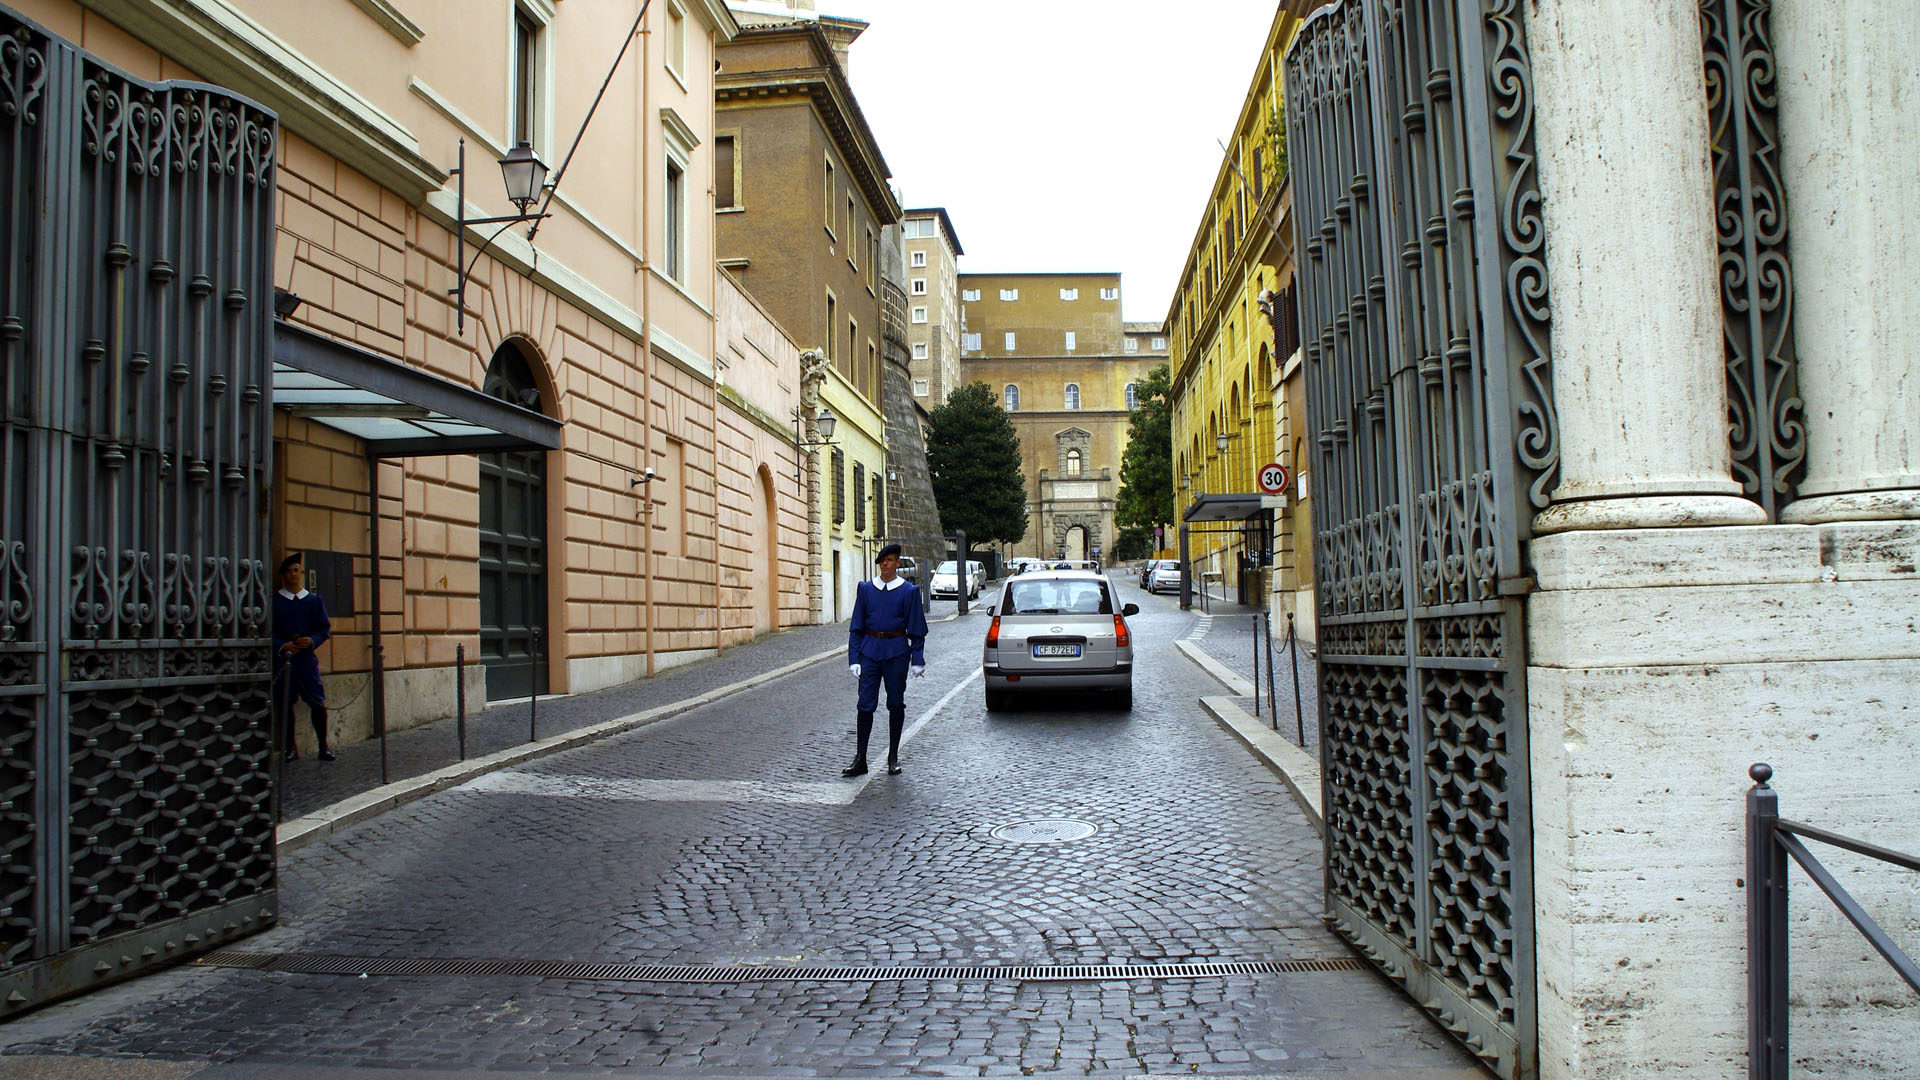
(1422, 298)
(135, 753)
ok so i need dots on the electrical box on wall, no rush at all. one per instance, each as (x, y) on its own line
(330, 573)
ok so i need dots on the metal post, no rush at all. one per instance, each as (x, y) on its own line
(279, 712)
(1266, 616)
(1766, 933)
(962, 577)
(380, 705)
(1293, 650)
(1186, 571)
(533, 703)
(1256, 668)
(460, 696)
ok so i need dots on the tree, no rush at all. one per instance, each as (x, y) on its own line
(1146, 468)
(974, 457)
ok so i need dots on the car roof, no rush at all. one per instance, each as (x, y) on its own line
(1064, 575)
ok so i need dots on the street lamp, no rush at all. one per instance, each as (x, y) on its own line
(823, 423)
(525, 176)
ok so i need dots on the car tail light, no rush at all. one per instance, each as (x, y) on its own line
(1119, 632)
(993, 633)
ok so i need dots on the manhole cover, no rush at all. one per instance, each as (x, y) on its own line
(1044, 831)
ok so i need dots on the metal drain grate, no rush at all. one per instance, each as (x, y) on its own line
(313, 964)
(1045, 831)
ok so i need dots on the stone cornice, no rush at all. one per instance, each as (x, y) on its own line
(392, 20)
(825, 84)
(220, 43)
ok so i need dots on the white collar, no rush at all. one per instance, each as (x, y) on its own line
(887, 586)
(301, 595)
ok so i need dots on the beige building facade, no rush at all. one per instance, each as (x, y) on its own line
(933, 303)
(1063, 362)
(557, 566)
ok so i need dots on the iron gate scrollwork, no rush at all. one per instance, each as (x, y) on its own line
(135, 754)
(1423, 314)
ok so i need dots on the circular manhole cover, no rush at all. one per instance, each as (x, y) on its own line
(1045, 831)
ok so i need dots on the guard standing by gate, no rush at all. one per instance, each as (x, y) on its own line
(300, 625)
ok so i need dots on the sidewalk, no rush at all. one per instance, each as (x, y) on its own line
(1230, 640)
(308, 785)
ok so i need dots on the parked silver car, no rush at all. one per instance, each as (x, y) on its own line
(1058, 630)
(1164, 577)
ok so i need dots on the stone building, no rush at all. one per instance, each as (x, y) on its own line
(913, 518)
(1055, 350)
(933, 297)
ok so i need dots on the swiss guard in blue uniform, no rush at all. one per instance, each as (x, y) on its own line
(300, 626)
(886, 639)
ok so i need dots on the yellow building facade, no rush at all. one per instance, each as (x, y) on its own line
(1231, 415)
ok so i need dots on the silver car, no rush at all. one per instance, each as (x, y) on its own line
(1058, 630)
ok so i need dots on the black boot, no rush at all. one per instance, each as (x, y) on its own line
(896, 720)
(858, 768)
(320, 734)
(862, 731)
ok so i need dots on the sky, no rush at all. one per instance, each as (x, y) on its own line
(1060, 135)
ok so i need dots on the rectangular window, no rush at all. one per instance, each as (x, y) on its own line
(1109, 294)
(873, 257)
(849, 225)
(726, 190)
(970, 342)
(1069, 341)
(970, 295)
(1009, 341)
(1009, 294)
(919, 350)
(839, 466)
(879, 506)
(677, 40)
(1132, 345)
(919, 286)
(1159, 344)
(830, 194)
(919, 388)
(526, 76)
(859, 497)
(918, 258)
(1069, 294)
(919, 315)
(853, 356)
(1259, 176)
(676, 204)
(832, 307)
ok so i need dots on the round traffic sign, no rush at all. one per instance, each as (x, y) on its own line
(1273, 478)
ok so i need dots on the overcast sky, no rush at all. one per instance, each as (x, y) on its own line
(1059, 134)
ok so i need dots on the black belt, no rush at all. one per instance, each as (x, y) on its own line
(888, 633)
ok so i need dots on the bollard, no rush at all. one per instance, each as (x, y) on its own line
(1256, 668)
(1293, 650)
(1273, 699)
(1767, 1022)
(460, 696)
(533, 684)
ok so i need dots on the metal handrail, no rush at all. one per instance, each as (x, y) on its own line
(1771, 842)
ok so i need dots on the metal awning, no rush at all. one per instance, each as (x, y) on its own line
(396, 410)
(1231, 507)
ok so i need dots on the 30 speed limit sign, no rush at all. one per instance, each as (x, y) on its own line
(1273, 478)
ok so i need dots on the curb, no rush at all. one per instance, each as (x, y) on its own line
(300, 832)
(1222, 674)
(1299, 770)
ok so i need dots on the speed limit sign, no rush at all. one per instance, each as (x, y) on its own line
(1273, 478)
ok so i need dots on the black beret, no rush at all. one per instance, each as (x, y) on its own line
(890, 549)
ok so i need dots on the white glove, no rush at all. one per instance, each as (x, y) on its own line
(854, 670)
(919, 671)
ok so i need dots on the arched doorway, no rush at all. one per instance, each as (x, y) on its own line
(766, 575)
(1077, 542)
(513, 545)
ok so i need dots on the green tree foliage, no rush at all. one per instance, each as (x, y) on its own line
(1146, 469)
(974, 456)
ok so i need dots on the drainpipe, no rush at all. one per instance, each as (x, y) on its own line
(713, 355)
(645, 271)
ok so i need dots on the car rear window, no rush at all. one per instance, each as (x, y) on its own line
(944, 568)
(1054, 597)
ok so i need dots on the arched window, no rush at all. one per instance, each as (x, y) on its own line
(1073, 395)
(1133, 399)
(1073, 463)
(1012, 395)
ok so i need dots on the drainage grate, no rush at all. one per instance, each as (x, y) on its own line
(1045, 831)
(313, 964)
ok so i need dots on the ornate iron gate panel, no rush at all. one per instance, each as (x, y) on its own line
(135, 786)
(1423, 315)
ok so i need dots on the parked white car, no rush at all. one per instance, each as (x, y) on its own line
(977, 576)
(947, 582)
(1164, 577)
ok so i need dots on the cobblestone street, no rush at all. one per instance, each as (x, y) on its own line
(725, 836)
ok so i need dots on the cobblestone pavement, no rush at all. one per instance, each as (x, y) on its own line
(725, 836)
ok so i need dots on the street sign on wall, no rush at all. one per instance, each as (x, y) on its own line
(1273, 478)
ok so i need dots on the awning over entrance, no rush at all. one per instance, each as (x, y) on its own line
(396, 410)
(1231, 507)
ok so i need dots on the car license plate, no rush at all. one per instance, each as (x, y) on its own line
(1056, 650)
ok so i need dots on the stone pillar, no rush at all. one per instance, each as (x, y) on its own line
(1639, 377)
(1849, 88)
